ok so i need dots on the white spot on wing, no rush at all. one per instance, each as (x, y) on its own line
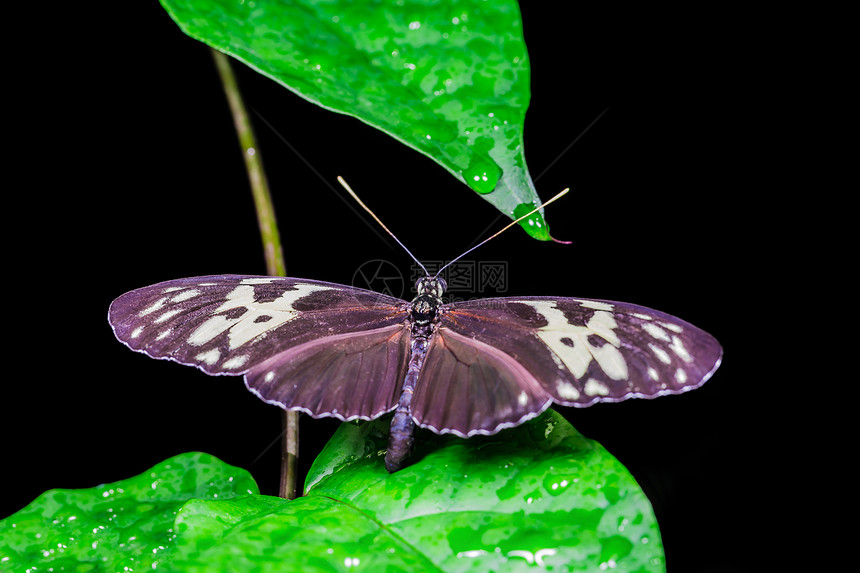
(596, 388)
(673, 327)
(523, 398)
(187, 295)
(661, 354)
(678, 348)
(680, 376)
(167, 316)
(209, 357)
(567, 391)
(641, 316)
(603, 325)
(243, 329)
(652, 374)
(153, 307)
(209, 330)
(235, 362)
(595, 304)
(270, 375)
(578, 356)
(656, 332)
(136, 332)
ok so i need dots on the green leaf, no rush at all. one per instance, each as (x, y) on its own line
(309, 534)
(122, 526)
(449, 78)
(538, 493)
(537, 496)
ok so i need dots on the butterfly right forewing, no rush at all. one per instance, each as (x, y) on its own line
(577, 351)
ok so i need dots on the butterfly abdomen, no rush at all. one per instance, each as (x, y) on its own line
(402, 425)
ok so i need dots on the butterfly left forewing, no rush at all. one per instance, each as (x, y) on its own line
(584, 351)
(226, 324)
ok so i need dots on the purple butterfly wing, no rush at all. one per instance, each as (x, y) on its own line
(264, 327)
(469, 387)
(584, 351)
(348, 376)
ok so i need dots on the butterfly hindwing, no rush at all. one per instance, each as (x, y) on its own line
(348, 376)
(584, 351)
(469, 387)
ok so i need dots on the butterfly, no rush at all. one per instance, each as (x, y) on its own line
(465, 368)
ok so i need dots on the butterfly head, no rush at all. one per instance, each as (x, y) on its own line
(434, 286)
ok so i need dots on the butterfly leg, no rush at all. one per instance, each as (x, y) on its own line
(400, 438)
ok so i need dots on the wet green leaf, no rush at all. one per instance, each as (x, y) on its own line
(268, 534)
(122, 526)
(539, 495)
(449, 78)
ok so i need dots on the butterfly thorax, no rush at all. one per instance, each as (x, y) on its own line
(424, 308)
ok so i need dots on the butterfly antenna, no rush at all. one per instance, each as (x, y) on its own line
(508, 226)
(381, 224)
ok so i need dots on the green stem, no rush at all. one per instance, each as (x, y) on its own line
(254, 165)
(275, 265)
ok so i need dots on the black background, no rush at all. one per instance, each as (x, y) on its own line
(133, 175)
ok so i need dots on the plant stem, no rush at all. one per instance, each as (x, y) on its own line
(273, 252)
(254, 165)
